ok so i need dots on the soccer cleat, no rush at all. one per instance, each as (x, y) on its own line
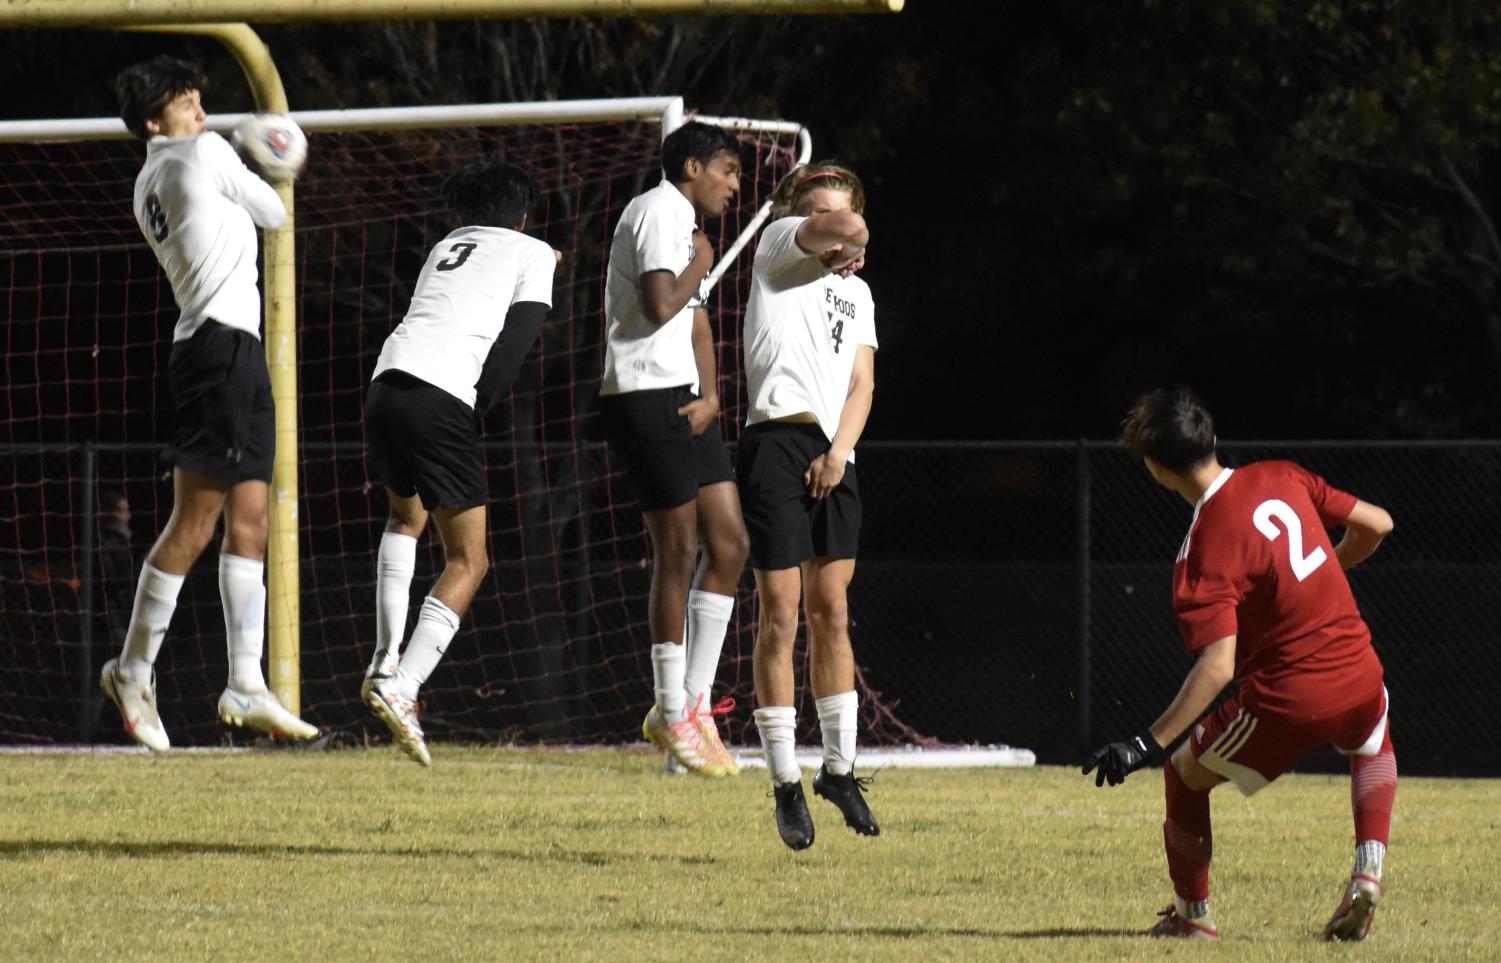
(684, 740)
(794, 824)
(262, 712)
(137, 705)
(400, 716)
(713, 745)
(1180, 927)
(848, 793)
(1351, 922)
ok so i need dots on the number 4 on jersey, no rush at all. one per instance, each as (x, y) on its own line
(1274, 510)
(838, 332)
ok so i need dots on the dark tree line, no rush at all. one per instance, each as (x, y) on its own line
(1289, 205)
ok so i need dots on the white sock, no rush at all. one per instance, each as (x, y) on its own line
(436, 624)
(708, 620)
(242, 592)
(838, 721)
(778, 728)
(156, 599)
(1197, 911)
(394, 565)
(1369, 857)
(668, 665)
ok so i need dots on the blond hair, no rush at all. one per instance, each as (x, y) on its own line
(808, 178)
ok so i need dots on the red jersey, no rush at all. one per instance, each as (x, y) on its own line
(1258, 564)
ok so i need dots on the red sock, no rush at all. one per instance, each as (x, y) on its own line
(1187, 837)
(1373, 789)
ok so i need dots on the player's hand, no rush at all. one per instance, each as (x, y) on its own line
(850, 268)
(1113, 763)
(842, 260)
(825, 474)
(700, 414)
(557, 256)
(702, 249)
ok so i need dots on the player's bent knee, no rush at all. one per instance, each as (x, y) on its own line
(1193, 773)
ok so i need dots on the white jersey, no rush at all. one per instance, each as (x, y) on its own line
(470, 280)
(199, 205)
(655, 233)
(802, 328)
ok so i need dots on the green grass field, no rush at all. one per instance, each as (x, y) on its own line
(529, 855)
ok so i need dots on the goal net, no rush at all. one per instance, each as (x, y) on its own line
(555, 647)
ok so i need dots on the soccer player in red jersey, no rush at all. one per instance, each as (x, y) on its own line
(1261, 597)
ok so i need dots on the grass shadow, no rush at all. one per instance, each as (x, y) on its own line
(177, 848)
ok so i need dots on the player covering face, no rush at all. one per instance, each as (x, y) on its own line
(198, 207)
(1262, 599)
(477, 310)
(659, 403)
(810, 343)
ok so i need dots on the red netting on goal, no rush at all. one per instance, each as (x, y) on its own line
(555, 646)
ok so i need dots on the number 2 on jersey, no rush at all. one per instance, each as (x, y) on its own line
(1274, 510)
(461, 251)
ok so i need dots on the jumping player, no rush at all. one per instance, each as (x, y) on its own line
(476, 312)
(659, 402)
(1261, 598)
(810, 344)
(198, 206)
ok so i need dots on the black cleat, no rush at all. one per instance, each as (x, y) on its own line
(848, 793)
(794, 824)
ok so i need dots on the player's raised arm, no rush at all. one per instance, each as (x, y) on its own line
(1365, 528)
(838, 238)
(664, 295)
(240, 184)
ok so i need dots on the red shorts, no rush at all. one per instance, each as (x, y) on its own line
(1252, 749)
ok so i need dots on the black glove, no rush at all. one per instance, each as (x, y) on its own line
(1119, 759)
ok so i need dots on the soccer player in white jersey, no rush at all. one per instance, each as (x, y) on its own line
(476, 312)
(659, 401)
(198, 206)
(810, 343)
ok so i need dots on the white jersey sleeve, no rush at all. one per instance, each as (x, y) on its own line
(534, 281)
(239, 183)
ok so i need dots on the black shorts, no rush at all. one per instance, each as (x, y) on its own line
(226, 418)
(665, 465)
(421, 440)
(787, 527)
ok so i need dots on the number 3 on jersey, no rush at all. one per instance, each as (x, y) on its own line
(1274, 510)
(460, 251)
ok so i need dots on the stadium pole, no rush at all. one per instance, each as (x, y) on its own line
(124, 13)
(283, 599)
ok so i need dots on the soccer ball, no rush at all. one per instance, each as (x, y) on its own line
(273, 144)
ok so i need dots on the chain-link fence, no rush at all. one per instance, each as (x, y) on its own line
(1006, 592)
(1020, 592)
